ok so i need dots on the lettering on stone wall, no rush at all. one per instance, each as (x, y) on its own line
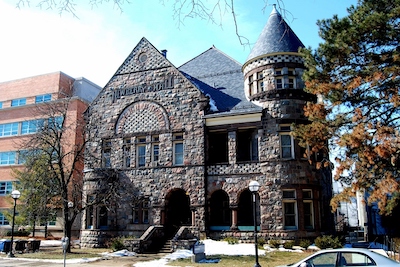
(168, 83)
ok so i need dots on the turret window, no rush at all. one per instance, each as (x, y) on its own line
(251, 85)
(285, 78)
(286, 142)
(279, 83)
(260, 82)
(289, 209)
(308, 209)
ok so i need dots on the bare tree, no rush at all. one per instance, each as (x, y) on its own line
(214, 11)
(56, 152)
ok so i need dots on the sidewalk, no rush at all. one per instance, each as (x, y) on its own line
(121, 258)
(127, 261)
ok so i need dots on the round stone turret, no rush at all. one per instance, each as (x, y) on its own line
(274, 67)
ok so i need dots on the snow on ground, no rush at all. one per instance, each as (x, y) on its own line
(211, 248)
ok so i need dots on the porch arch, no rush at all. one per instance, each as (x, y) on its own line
(220, 214)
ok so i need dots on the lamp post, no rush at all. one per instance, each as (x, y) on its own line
(15, 195)
(253, 187)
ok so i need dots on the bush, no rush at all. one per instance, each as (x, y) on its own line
(260, 242)
(274, 243)
(328, 241)
(117, 244)
(288, 244)
(19, 233)
(304, 243)
(231, 240)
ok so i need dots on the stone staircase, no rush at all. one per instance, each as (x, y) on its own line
(167, 247)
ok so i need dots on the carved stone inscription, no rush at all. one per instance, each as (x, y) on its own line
(168, 83)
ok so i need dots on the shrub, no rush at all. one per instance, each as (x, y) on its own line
(274, 243)
(328, 241)
(304, 243)
(231, 240)
(19, 233)
(260, 242)
(288, 244)
(117, 244)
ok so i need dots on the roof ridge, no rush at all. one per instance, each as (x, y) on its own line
(211, 48)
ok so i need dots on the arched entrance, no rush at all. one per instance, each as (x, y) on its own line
(220, 215)
(245, 209)
(177, 211)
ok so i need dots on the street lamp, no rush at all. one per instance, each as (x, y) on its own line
(253, 187)
(15, 195)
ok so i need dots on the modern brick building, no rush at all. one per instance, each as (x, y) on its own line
(189, 140)
(19, 102)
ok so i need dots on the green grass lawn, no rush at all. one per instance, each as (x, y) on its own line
(57, 253)
(269, 260)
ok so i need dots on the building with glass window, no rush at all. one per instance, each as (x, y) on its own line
(185, 142)
(19, 100)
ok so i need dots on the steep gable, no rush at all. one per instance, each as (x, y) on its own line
(136, 74)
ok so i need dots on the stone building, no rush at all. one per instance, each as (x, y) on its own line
(185, 142)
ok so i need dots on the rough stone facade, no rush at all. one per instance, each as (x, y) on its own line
(183, 145)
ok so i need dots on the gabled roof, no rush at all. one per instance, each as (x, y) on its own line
(220, 77)
(277, 36)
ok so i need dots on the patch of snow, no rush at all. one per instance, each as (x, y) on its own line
(313, 247)
(213, 247)
(119, 253)
(213, 105)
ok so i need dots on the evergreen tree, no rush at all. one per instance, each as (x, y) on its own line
(355, 73)
(37, 192)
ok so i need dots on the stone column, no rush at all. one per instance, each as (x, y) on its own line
(95, 215)
(193, 216)
(234, 219)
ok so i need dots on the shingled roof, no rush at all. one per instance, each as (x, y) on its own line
(277, 36)
(220, 77)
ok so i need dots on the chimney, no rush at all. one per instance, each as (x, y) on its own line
(164, 53)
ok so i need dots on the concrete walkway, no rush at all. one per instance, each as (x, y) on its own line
(114, 261)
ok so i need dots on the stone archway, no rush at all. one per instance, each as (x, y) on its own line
(177, 211)
(220, 214)
(245, 209)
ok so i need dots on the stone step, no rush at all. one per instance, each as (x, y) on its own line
(167, 248)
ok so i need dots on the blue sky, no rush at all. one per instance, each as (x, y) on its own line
(35, 41)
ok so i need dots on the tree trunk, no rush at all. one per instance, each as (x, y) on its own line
(34, 227)
(46, 234)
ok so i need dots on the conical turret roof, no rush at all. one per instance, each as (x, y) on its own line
(277, 36)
